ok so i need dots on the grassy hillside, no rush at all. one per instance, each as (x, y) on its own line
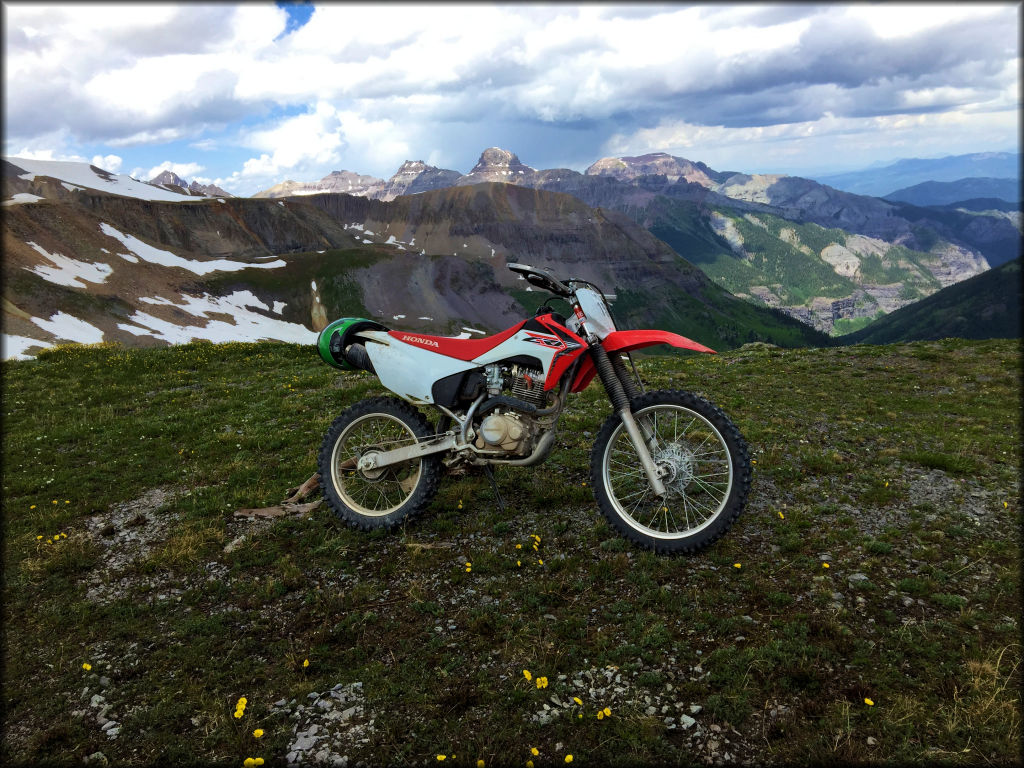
(985, 306)
(781, 254)
(134, 596)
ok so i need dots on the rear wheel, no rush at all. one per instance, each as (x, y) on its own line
(377, 498)
(704, 465)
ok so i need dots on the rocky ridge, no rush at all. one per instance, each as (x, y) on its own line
(173, 182)
(345, 182)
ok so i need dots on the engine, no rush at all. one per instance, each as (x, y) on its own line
(528, 385)
(505, 428)
(502, 430)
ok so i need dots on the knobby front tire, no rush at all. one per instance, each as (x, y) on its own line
(379, 498)
(707, 473)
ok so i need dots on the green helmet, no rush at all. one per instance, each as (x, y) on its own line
(334, 338)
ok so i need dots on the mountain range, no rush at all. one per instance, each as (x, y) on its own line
(86, 262)
(173, 182)
(869, 255)
(93, 256)
(886, 179)
(961, 190)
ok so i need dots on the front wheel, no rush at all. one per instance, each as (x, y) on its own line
(378, 498)
(704, 465)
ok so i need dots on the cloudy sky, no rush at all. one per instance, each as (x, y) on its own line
(247, 95)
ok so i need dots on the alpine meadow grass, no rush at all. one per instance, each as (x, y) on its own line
(864, 608)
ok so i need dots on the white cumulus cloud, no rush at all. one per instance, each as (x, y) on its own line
(184, 170)
(110, 163)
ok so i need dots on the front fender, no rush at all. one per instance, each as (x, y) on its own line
(626, 341)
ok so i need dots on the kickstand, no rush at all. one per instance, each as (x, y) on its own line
(494, 486)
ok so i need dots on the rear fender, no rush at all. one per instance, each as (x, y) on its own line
(627, 341)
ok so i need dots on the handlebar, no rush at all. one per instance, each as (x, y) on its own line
(542, 278)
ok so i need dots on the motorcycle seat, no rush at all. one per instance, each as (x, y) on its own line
(459, 348)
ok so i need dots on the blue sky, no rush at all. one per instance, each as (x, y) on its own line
(247, 95)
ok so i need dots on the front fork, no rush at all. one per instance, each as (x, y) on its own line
(621, 390)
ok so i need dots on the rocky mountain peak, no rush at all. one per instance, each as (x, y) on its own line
(413, 177)
(336, 181)
(172, 181)
(411, 168)
(169, 178)
(496, 164)
(653, 164)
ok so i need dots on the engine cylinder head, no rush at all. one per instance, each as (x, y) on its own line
(528, 385)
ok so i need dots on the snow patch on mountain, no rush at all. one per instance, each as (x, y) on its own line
(91, 177)
(67, 271)
(70, 328)
(248, 325)
(15, 347)
(21, 198)
(153, 255)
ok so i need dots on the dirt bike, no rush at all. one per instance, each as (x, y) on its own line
(668, 468)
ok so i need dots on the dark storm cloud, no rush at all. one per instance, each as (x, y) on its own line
(868, 74)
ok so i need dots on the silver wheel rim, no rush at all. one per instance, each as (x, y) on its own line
(379, 492)
(698, 477)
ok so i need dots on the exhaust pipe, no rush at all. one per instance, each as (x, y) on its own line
(357, 357)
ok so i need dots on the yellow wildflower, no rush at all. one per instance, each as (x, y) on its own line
(519, 546)
(600, 715)
(529, 764)
(568, 758)
(257, 733)
(87, 666)
(305, 662)
(519, 563)
(737, 565)
(542, 682)
(577, 700)
(607, 712)
(441, 757)
(527, 675)
(534, 751)
(869, 702)
(34, 506)
(249, 762)
(238, 714)
(480, 764)
(782, 516)
(39, 537)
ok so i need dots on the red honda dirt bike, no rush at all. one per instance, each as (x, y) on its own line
(669, 469)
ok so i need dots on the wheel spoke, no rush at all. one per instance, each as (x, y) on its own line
(366, 493)
(697, 468)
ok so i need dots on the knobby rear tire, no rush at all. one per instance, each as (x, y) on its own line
(708, 481)
(384, 498)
